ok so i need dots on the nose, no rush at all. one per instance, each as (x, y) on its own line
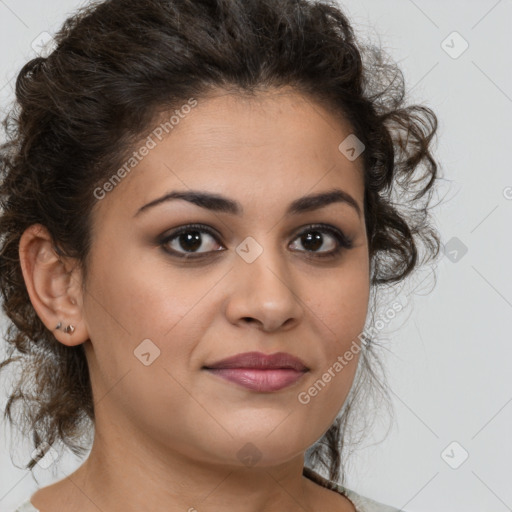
(263, 293)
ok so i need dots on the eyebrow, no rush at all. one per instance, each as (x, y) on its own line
(218, 203)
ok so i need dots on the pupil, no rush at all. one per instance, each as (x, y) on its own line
(191, 240)
(312, 240)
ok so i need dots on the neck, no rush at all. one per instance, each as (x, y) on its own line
(139, 476)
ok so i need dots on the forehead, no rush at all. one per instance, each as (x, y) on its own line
(269, 121)
(275, 143)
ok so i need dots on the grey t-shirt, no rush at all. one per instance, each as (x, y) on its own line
(361, 503)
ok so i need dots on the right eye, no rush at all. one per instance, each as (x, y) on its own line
(186, 241)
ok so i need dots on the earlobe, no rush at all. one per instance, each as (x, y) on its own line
(54, 286)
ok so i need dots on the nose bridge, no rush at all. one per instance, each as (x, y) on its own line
(264, 266)
(263, 287)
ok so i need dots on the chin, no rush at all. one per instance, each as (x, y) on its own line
(266, 451)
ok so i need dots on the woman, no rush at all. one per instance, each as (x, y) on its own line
(199, 200)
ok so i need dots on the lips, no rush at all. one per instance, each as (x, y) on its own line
(258, 360)
(260, 372)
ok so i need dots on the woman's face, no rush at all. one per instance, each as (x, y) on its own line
(159, 306)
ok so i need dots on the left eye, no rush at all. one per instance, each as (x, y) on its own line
(313, 239)
(188, 240)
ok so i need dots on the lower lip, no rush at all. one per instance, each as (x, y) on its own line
(257, 379)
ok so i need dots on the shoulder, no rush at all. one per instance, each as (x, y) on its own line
(26, 507)
(361, 503)
(364, 504)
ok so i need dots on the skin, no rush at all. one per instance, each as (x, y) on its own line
(167, 435)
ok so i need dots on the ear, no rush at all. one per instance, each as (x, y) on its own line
(54, 285)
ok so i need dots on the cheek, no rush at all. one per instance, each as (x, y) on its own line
(139, 297)
(340, 311)
(132, 298)
(342, 306)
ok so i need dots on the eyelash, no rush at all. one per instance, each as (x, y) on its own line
(344, 242)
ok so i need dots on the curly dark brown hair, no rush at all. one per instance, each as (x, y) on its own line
(116, 67)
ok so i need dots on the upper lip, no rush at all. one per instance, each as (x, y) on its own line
(260, 361)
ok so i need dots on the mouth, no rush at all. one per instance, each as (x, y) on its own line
(260, 372)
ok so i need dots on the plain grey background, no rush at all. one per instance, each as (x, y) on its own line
(450, 352)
